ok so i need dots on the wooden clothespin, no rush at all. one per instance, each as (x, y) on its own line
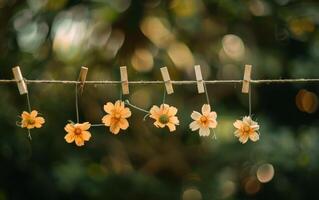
(124, 80)
(82, 76)
(247, 78)
(20, 81)
(199, 79)
(167, 80)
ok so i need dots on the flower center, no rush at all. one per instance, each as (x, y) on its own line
(246, 129)
(31, 121)
(203, 119)
(77, 131)
(164, 119)
(117, 116)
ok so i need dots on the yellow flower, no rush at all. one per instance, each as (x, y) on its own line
(246, 129)
(31, 120)
(78, 133)
(116, 116)
(203, 121)
(164, 116)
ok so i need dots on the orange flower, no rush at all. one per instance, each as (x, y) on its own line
(246, 129)
(116, 117)
(164, 116)
(203, 121)
(31, 120)
(78, 133)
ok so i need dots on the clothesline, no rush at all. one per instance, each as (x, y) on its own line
(185, 82)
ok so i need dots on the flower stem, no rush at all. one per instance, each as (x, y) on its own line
(29, 135)
(95, 125)
(138, 108)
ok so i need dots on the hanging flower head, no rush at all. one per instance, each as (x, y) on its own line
(203, 121)
(116, 116)
(246, 129)
(164, 116)
(78, 133)
(31, 120)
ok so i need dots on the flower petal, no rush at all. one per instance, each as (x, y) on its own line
(154, 112)
(69, 128)
(212, 115)
(25, 115)
(172, 111)
(106, 120)
(34, 113)
(85, 126)
(194, 126)
(247, 120)
(206, 109)
(174, 120)
(69, 138)
(126, 112)
(238, 124)
(204, 131)
(212, 124)
(255, 127)
(86, 135)
(243, 139)
(195, 115)
(123, 124)
(171, 127)
(79, 141)
(118, 104)
(254, 136)
(159, 124)
(237, 133)
(115, 129)
(40, 120)
(108, 108)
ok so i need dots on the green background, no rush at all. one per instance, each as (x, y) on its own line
(52, 39)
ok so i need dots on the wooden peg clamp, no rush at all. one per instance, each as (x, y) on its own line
(247, 78)
(167, 80)
(124, 80)
(199, 79)
(20, 81)
(82, 76)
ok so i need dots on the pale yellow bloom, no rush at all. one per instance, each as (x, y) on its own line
(78, 133)
(246, 129)
(116, 116)
(31, 120)
(203, 121)
(164, 116)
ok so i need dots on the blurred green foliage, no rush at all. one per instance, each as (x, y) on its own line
(51, 39)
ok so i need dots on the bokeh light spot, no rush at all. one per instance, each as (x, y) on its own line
(142, 60)
(192, 194)
(181, 55)
(265, 173)
(307, 101)
(233, 47)
(251, 185)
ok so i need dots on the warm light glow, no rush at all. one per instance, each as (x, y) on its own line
(68, 35)
(142, 98)
(142, 60)
(307, 101)
(114, 43)
(181, 55)
(259, 7)
(184, 8)
(301, 26)
(265, 173)
(227, 189)
(251, 185)
(157, 31)
(233, 47)
(192, 194)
